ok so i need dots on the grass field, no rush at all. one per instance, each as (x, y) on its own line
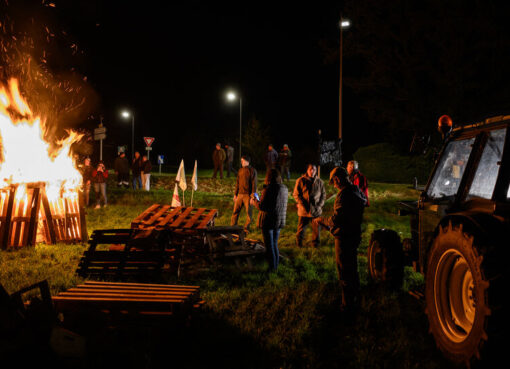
(253, 319)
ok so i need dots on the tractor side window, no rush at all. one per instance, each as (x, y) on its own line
(488, 167)
(450, 169)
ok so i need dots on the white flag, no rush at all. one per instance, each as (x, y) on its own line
(194, 179)
(175, 198)
(181, 177)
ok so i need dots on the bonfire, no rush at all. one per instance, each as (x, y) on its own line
(39, 181)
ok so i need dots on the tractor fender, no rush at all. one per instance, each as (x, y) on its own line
(485, 227)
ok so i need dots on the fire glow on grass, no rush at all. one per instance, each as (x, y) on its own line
(25, 156)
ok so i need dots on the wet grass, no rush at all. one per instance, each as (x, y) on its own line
(252, 319)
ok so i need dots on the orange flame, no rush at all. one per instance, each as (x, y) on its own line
(26, 157)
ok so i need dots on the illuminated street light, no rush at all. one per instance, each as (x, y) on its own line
(343, 24)
(126, 114)
(232, 96)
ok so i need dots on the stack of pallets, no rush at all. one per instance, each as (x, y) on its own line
(165, 238)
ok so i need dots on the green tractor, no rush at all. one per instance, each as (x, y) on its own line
(460, 236)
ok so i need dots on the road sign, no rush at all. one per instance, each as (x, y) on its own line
(99, 130)
(148, 140)
(148, 148)
(161, 159)
(121, 149)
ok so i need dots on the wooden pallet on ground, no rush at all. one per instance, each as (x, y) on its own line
(129, 299)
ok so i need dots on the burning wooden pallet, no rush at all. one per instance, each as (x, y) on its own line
(23, 212)
(129, 299)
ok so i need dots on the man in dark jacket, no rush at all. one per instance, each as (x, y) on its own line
(246, 187)
(284, 158)
(345, 226)
(271, 158)
(218, 158)
(357, 178)
(86, 172)
(136, 170)
(121, 166)
(310, 195)
(230, 159)
(146, 173)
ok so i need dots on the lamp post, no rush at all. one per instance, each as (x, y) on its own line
(231, 96)
(126, 114)
(344, 23)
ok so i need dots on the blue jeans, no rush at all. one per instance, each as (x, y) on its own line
(100, 190)
(137, 182)
(271, 242)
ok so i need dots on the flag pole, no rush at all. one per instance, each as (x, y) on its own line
(192, 192)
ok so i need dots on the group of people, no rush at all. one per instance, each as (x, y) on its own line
(280, 161)
(310, 195)
(272, 159)
(219, 157)
(140, 168)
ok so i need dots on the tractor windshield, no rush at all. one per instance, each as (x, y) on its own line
(488, 167)
(450, 169)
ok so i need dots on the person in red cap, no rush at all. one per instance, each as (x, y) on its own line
(357, 178)
(345, 226)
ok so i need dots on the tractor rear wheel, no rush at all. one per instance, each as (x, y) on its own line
(457, 287)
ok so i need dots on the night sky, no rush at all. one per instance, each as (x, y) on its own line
(405, 64)
(174, 64)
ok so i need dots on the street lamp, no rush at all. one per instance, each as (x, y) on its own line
(343, 24)
(126, 114)
(231, 96)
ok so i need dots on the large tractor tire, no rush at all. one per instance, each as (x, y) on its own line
(460, 278)
(385, 258)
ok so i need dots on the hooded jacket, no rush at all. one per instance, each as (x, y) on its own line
(348, 212)
(310, 195)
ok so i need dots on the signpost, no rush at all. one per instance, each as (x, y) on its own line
(100, 135)
(148, 142)
(161, 160)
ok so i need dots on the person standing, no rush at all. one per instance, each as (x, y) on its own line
(357, 178)
(136, 170)
(218, 158)
(310, 195)
(121, 166)
(99, 177)
(146, 173)
(230, 159)
(272, 214)
(284, 158)
(271, 158)
(345, 226)
(246, 187)
(86, 172)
